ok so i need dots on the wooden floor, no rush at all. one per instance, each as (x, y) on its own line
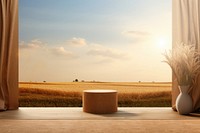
(72, 120)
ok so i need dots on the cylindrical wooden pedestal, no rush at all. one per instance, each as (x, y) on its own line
(100, 101)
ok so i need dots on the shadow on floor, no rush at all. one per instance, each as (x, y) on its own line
(119, 114)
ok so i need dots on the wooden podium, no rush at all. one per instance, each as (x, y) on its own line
(100, 101)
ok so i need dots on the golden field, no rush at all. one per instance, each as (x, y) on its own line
(69, 94)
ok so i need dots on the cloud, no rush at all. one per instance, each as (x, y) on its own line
(77, 42)
(101, 51)
(136, 33)
(38, 47)
(33, 44)
(137, 36)
(60, 51)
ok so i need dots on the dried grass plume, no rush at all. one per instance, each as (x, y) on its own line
(184, 62)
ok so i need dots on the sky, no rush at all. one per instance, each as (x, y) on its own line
(94, 40)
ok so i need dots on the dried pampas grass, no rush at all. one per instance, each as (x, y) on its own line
(184, 62)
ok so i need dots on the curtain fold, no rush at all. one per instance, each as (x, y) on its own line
(186, 29)
(8, 54)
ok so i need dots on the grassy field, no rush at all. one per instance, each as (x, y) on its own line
(130, 94)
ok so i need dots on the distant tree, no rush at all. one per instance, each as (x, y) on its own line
(139, 81)
(76, 80)
(44, 81)
(82, 81)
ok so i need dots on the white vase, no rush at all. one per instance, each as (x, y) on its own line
(184, 101)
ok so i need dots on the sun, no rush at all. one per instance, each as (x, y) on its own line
(162, 43)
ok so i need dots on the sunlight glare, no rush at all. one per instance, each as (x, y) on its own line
(162, 43)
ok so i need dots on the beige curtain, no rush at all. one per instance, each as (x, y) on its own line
(8, 54)
(186, 28)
